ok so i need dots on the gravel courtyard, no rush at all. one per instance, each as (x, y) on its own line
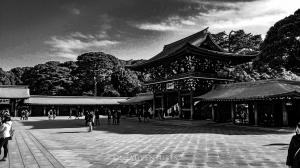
(64, 142)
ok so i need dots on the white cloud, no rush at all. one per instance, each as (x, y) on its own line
(174, 23)
(249, 15)
(255, 17)
(157, 27)
(76, 43)
(75, 11)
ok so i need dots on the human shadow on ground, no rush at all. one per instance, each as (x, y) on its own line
(277, 144)
(132, 126)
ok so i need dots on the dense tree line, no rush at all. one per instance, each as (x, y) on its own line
(278, 55)
(94, 69)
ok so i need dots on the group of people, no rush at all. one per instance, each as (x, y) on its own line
(146, 114)
(92, 118)
(24, 114)
(51, 114)
(5, 133)
(113, 114)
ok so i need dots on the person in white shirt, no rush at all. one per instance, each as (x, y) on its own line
(5, 135)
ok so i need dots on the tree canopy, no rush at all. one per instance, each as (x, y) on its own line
(94, 68)
(281, 47)
(238, 42)
(51, 78)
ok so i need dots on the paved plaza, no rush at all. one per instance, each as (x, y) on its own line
(64, 142)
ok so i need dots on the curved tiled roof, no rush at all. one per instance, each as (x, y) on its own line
(73, 100)
(195, 40)
(14, 91)
(253, 90)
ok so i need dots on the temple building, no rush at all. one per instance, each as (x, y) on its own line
(185, 69)
(267, 102)
(65, 105)
(11, 96)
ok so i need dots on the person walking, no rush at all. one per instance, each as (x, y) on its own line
(293, 157)
(5, 134)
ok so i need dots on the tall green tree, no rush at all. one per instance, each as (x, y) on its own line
(18, 73)
(48, 79)
(6, 78)
(281, 47)
(94, 69)
(238, 42)
(126, 82)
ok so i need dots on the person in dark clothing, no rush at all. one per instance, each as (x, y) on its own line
(139, 115)
(293, 157)
(97, 117)
(114, 116)
(90, 121)
(118, 116)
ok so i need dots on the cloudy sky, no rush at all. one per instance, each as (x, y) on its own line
(36, 31)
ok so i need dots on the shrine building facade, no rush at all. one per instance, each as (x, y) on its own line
(185, 69)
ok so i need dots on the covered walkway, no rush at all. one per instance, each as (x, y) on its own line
(265, 102)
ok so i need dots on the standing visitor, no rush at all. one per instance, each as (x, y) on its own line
(50, 114)
(27, 113)
(139, 114)
(114, 116)
(76, 114)
(54, 114)
(108, 116)
(5, 134)
(23, 114)
(90, 121)
(293, 157)
(118, 116)
(97, 117)
(70, 114)
(146, 115)
(93, 117)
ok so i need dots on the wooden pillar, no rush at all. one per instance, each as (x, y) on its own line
(143, 106)
(70, 110)
(162, 105)
(154, 106)
(57, 111)
(13, 108)
(212, 112)
(179, 104)
(232, 110)
(44, 110)
(136, 109)
(255, 113)
(284, 114)
(191, 106)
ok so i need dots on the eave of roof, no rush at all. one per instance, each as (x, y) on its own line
(264, 89)
(194, 41)
(73, 100)
(201, 52)
(14, 92)
(140, 99)
(191, 75)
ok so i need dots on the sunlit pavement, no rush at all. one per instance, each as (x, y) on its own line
(64, 142)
